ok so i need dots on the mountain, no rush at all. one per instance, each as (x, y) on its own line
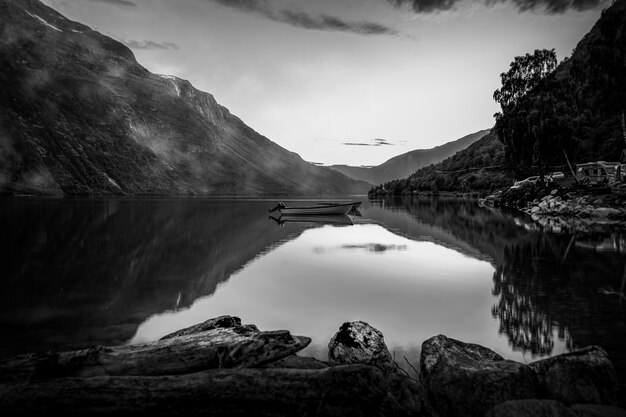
(404, 165)
(479, 167)
(79, 115)
(575, 114)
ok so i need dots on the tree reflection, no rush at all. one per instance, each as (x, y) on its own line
(526, 326)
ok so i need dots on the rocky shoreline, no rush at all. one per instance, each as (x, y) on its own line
(223, 367)
(559, 209)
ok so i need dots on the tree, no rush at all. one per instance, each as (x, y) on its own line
(521, 126)
(524, 75)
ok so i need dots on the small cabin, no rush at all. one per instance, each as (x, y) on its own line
(600, 172)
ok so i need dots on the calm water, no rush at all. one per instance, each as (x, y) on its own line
(76, 273)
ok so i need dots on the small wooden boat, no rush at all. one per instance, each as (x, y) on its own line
(355, 204)
(319, 209)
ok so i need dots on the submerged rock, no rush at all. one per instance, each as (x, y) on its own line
(358, 342)
(465, 379)
(583, 376)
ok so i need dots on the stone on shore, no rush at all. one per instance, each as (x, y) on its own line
(464, 379)
(358, 342)
(583, 376)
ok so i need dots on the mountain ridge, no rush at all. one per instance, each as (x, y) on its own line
(405, 164)
(80, 116)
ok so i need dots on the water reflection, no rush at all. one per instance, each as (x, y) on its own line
(328, 275)
(82, 272)
(338, 219)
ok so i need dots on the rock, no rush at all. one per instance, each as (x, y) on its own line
(535, 209)
(221, 322)
(598, 410)
(346, 390)
(544, 206)
(358, 342)
(584, 376)
(554, 192)
(408, 395)
(603, 212)
(464, 379)
(296, 362)
(531, 408)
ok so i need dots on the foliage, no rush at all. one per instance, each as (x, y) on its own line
(480, 167)
(551, 114)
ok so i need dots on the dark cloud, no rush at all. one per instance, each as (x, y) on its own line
(306, 21)
(149, 45)
(123, 3)
(547, 6)
(375, 142)
(376, 247)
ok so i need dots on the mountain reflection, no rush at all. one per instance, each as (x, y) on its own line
(81, 272)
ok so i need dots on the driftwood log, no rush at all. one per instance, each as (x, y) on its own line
(233, 347)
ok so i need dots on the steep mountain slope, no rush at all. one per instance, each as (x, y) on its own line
(578, 109)
(79, 115)
(404, 165)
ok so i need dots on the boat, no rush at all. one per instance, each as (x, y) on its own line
(318, 209)
(355, 204)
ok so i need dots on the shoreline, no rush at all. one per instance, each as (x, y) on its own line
(223, 366)
(558, 209)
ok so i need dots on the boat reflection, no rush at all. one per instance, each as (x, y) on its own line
(335, 219)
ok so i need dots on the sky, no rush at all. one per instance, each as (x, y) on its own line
(351, 82)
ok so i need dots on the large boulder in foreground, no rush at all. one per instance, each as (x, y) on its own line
(583, 376)
(531, 408)
(465, 379)
(598, 410)
(358, 342)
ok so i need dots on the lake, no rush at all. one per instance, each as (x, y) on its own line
(81, 272)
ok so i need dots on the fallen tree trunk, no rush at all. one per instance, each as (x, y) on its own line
(235, 347)
(354, 390)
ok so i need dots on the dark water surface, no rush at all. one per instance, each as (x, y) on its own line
(77, 273)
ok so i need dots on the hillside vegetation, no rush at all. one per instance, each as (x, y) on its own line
(479, 167)
(573, 112)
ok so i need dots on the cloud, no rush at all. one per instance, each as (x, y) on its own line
(548, 6)
(304, 20)
(122, 3)
(149, 44)
(374, 142)
(376, 247)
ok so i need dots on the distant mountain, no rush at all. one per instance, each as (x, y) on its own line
(402, 166)
(79, 115)
(479, 167)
